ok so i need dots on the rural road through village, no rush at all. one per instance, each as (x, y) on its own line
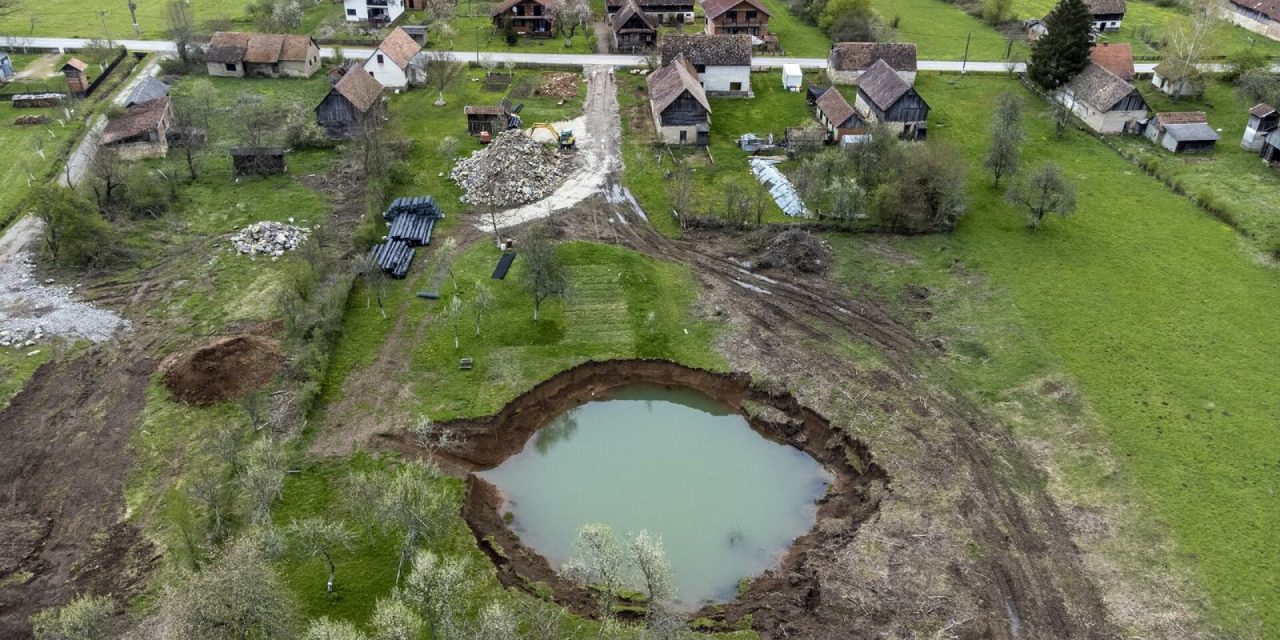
(566, 59)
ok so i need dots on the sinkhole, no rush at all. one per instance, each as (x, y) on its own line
(668, 459)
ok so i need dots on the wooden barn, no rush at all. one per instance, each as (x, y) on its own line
(526, 17)
(681, 113)
(664, 11)
(486, 119)
(77, 78)
(348, 103)
(884, 97)
(1182, 132)
(1103, 100)
(257, 161)
(633, 30)
(140, 132)
(837, 116)
(1263, 119)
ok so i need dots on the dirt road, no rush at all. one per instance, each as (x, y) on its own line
(599, 152)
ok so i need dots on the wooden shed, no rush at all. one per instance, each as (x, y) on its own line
(482, 118)
(348, 103)
(257, 161)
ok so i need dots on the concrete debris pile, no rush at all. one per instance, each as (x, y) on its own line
(268, 238)
(559, 84)
(513, 170)
(31, 312)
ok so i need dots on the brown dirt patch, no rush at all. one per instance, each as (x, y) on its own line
(222, 369)
(782, 594)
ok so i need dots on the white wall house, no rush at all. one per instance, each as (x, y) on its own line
(373, 10)
(722, 62)
(1103, 101)
(389, 64)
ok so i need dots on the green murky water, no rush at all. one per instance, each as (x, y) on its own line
(727, 501)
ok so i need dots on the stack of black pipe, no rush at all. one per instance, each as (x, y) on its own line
(393, 257)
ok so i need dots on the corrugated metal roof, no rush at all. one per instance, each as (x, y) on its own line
(780, 188)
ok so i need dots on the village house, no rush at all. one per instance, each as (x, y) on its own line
(849, 60)
(1116, 58)
(633, 30)
(884, 97)
(1107, 14)
(375, 11)
(1034, 29)
(389, 63)
(1263, 119)
(1178, 80)
(239, 55)
(526, 17)
(1103, 101)
(6, 67)
(75, 72)
(736, 17)
(837, 116)
(141, 132)
(664, 11)
(1182, 131)
(348, 103)
(722, 62)
(1258, 16)
(681, 113)
(1270, 151)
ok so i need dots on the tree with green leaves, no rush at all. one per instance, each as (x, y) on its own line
(1063, 51)
(74, 234)
(1006, 137)
(544, 275)
(236, 598)
(440, 587)
(1044, 192)
(84, 618)
(320, 538)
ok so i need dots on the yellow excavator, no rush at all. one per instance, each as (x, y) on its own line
(565, 138)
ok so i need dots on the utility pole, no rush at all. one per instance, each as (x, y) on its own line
(965, 63)
(103, 15)
(133, 14)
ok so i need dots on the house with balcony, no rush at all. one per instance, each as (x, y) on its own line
(736, 17)
(664, 11)
(374, 11)
(526, 17)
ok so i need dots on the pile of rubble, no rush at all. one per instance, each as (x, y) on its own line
(30, 120)
(514, 169)
(20, 338)
(559, 84)
(268, 238)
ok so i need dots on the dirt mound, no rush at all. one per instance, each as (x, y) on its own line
(795, 250)
(513, 170)
(223, 369)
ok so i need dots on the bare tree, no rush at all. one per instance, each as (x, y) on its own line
(107, 179)
(320, 538)
(1006, 137)
(481, 301)
(680, 189)
(497, 622)
(409, 505)
(1045, 191)
(190, 138)
(544, 276)
(181, 27)
(10, 7)
(439, 71)
(1190, 41)
(210, 491)
(448, 147)
(263, 477)
(84, 618)
(1061, 118)
(488, 63)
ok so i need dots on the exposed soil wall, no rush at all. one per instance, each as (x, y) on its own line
(787, 592)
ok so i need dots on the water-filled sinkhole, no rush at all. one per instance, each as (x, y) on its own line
(727, 501)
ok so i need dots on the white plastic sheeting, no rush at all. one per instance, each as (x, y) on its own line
(779, 187)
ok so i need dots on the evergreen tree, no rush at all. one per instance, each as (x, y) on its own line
(1063, 51)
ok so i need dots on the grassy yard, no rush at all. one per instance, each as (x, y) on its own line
(1142, 17)
(1233, 178)
(1165, 322)
(645, 166)
(940, 30)
(26, 144)
(798, 38)
(478, 32)
(416, 116)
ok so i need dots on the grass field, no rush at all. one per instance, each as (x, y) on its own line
(1141, 16)
(1231, 177)
(1165, 322)
(25, 144)
(473, 32)
(798, 38)
(771, 111)
(71, 19)
(940, 30)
